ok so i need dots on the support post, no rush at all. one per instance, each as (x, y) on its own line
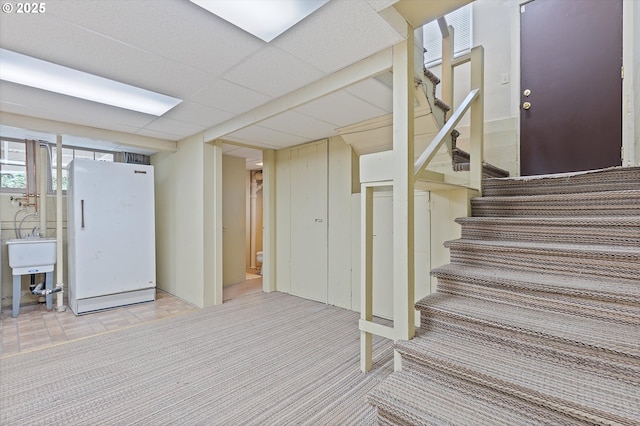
(366, 274)
(476, 151)
(446, 79)
(269, 220)
(217, 223)
(59, 240)
(403, 196)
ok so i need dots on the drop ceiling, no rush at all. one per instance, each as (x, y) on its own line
(177, 48)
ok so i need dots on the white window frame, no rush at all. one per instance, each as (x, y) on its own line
(462, 22)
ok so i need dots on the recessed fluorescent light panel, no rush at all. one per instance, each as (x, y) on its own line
(265, 19)
(28, 71)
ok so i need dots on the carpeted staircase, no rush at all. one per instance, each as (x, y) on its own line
(537, 318)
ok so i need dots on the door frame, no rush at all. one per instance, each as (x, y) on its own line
(627, 107)
(268, 222)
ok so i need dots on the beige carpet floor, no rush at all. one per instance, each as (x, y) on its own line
(258, 360)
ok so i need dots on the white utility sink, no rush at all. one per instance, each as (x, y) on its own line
(31, 256)
(32, 253)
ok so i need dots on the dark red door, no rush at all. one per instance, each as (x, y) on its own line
(571, 61)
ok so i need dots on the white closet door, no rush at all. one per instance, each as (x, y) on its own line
(309, 182)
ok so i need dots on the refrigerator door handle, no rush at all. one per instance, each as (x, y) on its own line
(82, 213)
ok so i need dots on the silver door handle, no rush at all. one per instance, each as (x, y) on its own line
(82, 213)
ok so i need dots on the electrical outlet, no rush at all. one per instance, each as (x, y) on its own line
(504, 78)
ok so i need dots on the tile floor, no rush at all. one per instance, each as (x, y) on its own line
(36, 328)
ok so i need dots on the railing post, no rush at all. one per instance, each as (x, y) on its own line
(403, 196)
(366, 274)
(476, 150)
(446, 79)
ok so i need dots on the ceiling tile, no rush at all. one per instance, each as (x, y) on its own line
(179, 129)
(263, 137)
(56, 41)
(179, 30)
(228, 96)
(341, 109)
(273, 72)
(194, 113)
(241, 151)
(324, 34)
(298, 124)
(373, 92)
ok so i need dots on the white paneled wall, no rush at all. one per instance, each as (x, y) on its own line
(383, 251)
(313, 221)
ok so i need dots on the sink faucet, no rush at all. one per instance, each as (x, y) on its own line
(35, 232)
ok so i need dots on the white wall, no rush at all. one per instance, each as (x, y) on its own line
(339, 216)
(234, 211)
(180, 220)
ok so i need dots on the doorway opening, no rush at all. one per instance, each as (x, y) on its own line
(242, 226)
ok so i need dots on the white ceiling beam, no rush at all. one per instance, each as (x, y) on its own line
(61, 128)
(362, 70)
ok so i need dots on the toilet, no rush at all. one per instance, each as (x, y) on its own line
(259, 258)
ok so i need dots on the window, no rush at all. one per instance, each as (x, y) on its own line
(18, 158)
(68, 154)
(460, 20)
(13, 165)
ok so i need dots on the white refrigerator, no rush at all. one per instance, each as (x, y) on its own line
(111, 235)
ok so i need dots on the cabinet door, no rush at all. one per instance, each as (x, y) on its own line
(309, 185)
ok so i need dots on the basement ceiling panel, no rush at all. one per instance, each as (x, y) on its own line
(173, 129)
(265, 137)
(374, 92)
(75, 47)
(230, 97)
(169, 29)
(258, 73)
(341, 109)
(298, 124)
(339, 34)
(191, 112)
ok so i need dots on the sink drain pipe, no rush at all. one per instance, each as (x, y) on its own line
(39, 290)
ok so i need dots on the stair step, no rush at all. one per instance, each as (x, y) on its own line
(610, 203)
(580, 259)
(553, 384)
(414, 397)
(617, 365)
(567, 329)
(609, 300)
(609, 230)
(461, 162)
(616, 178)
(626, 291)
